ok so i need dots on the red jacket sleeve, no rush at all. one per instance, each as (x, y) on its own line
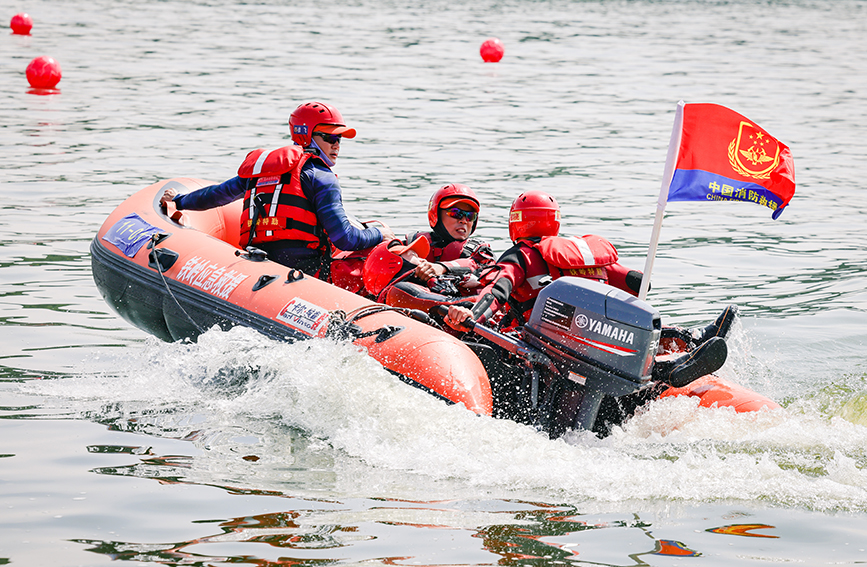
(621, 277)
(499, 284)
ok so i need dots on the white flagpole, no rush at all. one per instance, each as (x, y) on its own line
(668, 173)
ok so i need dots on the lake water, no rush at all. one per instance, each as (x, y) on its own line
(237, 450)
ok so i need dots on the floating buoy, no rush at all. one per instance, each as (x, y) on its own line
(43, 73)
(21, 24)
(492, 50)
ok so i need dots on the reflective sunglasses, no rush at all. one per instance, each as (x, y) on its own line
(329, 138)
(461, 214)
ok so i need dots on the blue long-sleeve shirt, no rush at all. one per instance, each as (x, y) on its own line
(321, 188)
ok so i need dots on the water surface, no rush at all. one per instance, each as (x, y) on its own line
(240, 450)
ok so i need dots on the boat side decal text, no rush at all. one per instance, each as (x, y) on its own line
(306, 317)
(210, 277)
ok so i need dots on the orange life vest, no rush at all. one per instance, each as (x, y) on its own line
(284, 213)
(584, 256)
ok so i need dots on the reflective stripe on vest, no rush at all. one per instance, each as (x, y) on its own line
(584, 248)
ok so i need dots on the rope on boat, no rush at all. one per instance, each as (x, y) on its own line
(342, 325)
(368, 310)
(155, 239)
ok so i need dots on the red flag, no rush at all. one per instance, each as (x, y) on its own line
(724, 156)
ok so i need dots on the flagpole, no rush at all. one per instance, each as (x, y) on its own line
(668, 173)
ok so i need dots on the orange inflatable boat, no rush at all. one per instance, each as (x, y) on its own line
(175, 278)
(175, 274)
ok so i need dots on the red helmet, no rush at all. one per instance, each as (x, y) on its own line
(449, 195)
(317, 116)
(534, 213)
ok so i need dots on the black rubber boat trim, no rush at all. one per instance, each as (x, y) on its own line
(193, 299)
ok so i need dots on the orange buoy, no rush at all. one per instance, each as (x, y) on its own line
(21, 24)
(43, 73)
(492, 50)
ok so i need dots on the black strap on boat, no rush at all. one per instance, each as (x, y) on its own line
(258, 209)
(367, 310)
(253, 254)
(342, 326)
(156, 239)
(341, 329)
(445, 285)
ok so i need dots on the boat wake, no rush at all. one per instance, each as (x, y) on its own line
(321, 416)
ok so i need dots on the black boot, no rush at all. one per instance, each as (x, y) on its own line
(682, 370)
(719, 328)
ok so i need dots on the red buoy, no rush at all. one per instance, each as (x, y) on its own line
(492, 50)
(43, 73)
(21, 24)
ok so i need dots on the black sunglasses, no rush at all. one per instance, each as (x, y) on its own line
(461, 214)
(330, 138)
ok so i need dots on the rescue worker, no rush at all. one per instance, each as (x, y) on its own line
(448, 249)
(511, 288)
(453, 214)
(293, 207)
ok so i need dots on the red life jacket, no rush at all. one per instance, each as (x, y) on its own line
(585, 256)
(558, 256)
(288, 215)
(478, 253)
(451, 251)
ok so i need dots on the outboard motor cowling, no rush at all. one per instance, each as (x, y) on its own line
(601, 338)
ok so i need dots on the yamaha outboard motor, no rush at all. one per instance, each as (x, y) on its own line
(601, 339)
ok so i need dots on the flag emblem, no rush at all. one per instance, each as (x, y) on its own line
(753, 153)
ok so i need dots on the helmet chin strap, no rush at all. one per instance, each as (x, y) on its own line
(320, 153)
(440, 230)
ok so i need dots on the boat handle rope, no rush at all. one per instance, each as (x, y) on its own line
(156, 239)
(367, 310)
(342, 325)
(341, 329)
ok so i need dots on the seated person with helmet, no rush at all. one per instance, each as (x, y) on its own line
(293, 207)
(442, 261)
(538, 254)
